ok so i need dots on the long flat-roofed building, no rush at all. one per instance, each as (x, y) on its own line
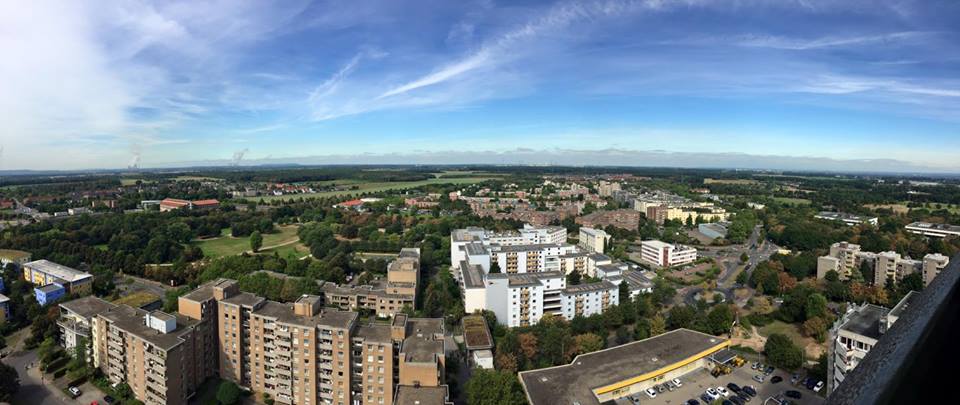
(849, 219)
(621, 371)
(45, 272)
(934, 230)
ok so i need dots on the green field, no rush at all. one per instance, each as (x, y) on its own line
(795, 201)
(226, 245)
(790, 330)
(299, 250)
(373, 187)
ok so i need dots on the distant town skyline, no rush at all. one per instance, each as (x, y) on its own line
(758, 84)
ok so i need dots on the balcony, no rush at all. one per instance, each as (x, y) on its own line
(74, 326)
(912, 362)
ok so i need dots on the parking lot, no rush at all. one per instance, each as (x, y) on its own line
(695, 383)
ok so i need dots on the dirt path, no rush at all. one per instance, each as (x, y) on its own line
(274, 246)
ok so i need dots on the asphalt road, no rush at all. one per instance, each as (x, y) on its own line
(36, 389)
(756, 250)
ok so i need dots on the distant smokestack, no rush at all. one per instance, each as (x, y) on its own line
(135, 160)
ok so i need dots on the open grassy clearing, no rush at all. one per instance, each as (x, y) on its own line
(298, 250)
(810, 346)
(373, 187)
(226, 245)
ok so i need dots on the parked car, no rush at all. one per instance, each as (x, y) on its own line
(810, 383)
(743, 396)
(652, 393)
(794, 379)
(712, 393)
(108, 399)
(726, 402)
(676, 381)
(705, 398)
(723, 391)
(792, 394)
(754, 366)
(736, 400)
(74, 391)
(661, 388)
(693, 402)
(818, 387)
(733, 388)
(769, 370)
(750, 390)
(758, 378)
(775, 379)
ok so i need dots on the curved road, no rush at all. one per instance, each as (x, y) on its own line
(757, 253)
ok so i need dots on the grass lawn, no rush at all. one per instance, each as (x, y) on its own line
(373, 187)
(299, 250)
(227, 245)
(795, 201)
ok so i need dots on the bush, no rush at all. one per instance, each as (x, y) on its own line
(76, 382)
(60, 373)
(759, 320)
(56, 364)
(782, 352)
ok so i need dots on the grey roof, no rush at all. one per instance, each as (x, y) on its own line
(938, 227)
(244, 299)
(284, 313)
(407, 395)
(575, 382)
(88, 306)
(526, 279)
(589, 287)
(475, 249)
(131, 320)
(375, 333)
(472, 275)
(866, 321)
(205, 291)
(49, 288)
(60, 271)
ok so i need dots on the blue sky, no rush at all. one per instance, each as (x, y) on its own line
(100, 84)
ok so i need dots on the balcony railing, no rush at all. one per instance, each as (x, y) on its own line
(913, 361)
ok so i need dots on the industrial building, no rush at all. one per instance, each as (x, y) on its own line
(621, 371)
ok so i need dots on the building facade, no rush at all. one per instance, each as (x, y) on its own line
(302, 353)
(855, 333)
(664, 254)
(45, 272)
(593, 240)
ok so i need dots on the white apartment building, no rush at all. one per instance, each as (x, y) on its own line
(933, 230)
(593, 240)
(855, 333)
(844, 257)
(664, 254)
(933, 264)
(532, 279)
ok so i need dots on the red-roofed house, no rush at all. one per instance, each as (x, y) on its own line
(354, 204)
(206, 204)
(169, 204)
